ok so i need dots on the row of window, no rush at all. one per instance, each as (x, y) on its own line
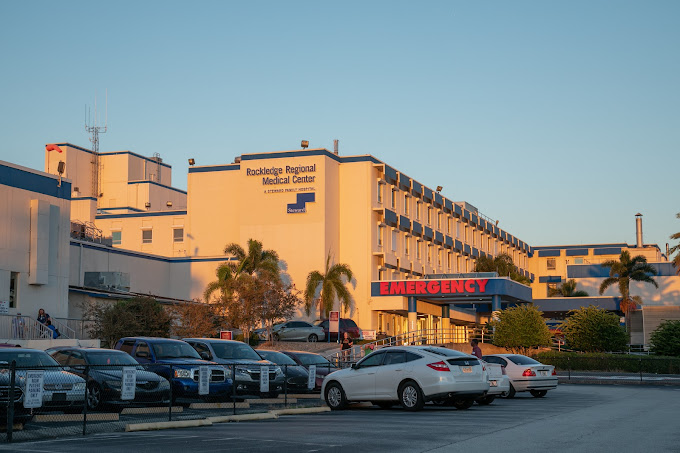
(147, 236)
(551, 263)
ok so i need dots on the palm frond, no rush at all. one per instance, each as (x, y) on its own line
(606, 283)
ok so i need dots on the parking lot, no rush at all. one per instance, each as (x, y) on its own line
(571, 418)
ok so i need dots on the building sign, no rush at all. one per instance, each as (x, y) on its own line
(226, 335)
(430, 287)
(264, 379)
(368, 334)
(272, 176)
(334, 322)
(300, 206)
(311, 382)
(127, 388)
(4, 307)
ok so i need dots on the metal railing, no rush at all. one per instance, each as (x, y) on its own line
(22, 328)
(343, 359)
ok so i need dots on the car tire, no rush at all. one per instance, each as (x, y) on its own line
(486, 400)
(312, 338)
(410, 396)
(383, 404)
(94, 396)
(463, 404)
(538, 393)
(276, 337)
(335, 397)
(511, 393)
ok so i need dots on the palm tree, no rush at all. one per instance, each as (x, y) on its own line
(255, 262)
(676, 248)
(624, 270)
(567, 289)
(332, 287)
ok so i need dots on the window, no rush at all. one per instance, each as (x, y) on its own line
(551, 264)
(448, 225)
(429, 216)
(418, 206)
(178, 235)
(147, 236)
(407, 249)
(439, 258)
(439, 221)
(448, 260)
(418, 250)
(429, 253)
(380, 192)
(127, 346)
(395, 357)
(457, 229)
(142, 348)
(394, 199)
(406, 203)
(374, 359)
(13, 285)
(117, 237)
(381, 235)
(394, 240)
(77, 359)
(578, 260)
(381, 274)
(551, 287)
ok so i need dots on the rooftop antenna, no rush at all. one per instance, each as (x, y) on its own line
(94, 129)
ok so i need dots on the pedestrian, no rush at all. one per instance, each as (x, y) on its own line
(346, 346)
(18, 326)
(476, 350)
(43, 317)
(55, 331)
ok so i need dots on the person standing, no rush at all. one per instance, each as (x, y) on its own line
(346, 346)
(18, 326)
(476, 350)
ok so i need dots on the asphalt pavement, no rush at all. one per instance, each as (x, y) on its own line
(578, 418)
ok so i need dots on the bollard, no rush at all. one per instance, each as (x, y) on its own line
(87, 373)
(233, 386)
(10, 400)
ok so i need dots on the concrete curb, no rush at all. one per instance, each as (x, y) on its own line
(243, 417)
(301, 410)
(166, 425)
(150, 410)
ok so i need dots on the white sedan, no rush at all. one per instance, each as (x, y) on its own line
(526, 374)
(499, 383)
(410, 376)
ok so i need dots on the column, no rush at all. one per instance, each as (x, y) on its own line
(412, 316)
(446, 324)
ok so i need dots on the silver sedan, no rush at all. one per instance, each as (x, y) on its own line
(298, 330)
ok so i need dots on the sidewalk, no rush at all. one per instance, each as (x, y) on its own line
(616, 378)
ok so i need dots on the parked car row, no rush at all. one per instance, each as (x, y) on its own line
(414, 375)
(304, 331)
(164, 370)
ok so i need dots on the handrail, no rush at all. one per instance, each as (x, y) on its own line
(343, 359)
(65, 331)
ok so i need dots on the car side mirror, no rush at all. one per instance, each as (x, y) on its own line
(142, 354)
(355, 366)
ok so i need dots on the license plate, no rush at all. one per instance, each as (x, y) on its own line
(466, 369)
(544, 373)
(493, 384)
(59, 397)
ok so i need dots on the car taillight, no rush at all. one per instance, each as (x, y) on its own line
(439, 366)
(529, 372)
(554, 373)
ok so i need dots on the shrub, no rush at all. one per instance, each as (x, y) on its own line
(520, 329)
(593, 329)
(610, 362)
(665, 340)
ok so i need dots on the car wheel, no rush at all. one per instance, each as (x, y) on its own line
(511, 392)
(538, 393)
(486, 400)
(312, 338)
(335, 397)
(463, 404)
(276, 337)
(94, 396)
(383, 404)
(410, 396)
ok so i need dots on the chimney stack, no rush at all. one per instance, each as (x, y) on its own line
(638, 230)
(335, 146)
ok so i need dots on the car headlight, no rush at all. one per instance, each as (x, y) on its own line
(183, 373)
(241, 370)
(113, 384)
(79, 387)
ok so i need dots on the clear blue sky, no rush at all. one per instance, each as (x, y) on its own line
(560, 119)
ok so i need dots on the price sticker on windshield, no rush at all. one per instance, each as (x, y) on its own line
(203, 380)
(311, 383)
(127, 388)
(34, 388)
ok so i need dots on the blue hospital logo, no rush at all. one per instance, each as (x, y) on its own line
(301, 204)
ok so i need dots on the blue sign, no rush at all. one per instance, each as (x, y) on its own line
(301, 205)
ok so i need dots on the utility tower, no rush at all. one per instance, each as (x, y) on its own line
(92, 126)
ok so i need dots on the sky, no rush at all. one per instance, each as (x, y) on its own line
(561, 120)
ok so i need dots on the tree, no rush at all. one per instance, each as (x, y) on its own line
(332, 287)
(196, 320)
(676, 248)
(621, 273)
(665, 340)
(279, 303)
(503, 265)
(139, 316)
(594, 329)
(256, 261)
(566, 289)
(520, 328)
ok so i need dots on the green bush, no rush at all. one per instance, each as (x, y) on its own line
(520, 329)
(610, 362)
(665, 340)
(593, 329)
